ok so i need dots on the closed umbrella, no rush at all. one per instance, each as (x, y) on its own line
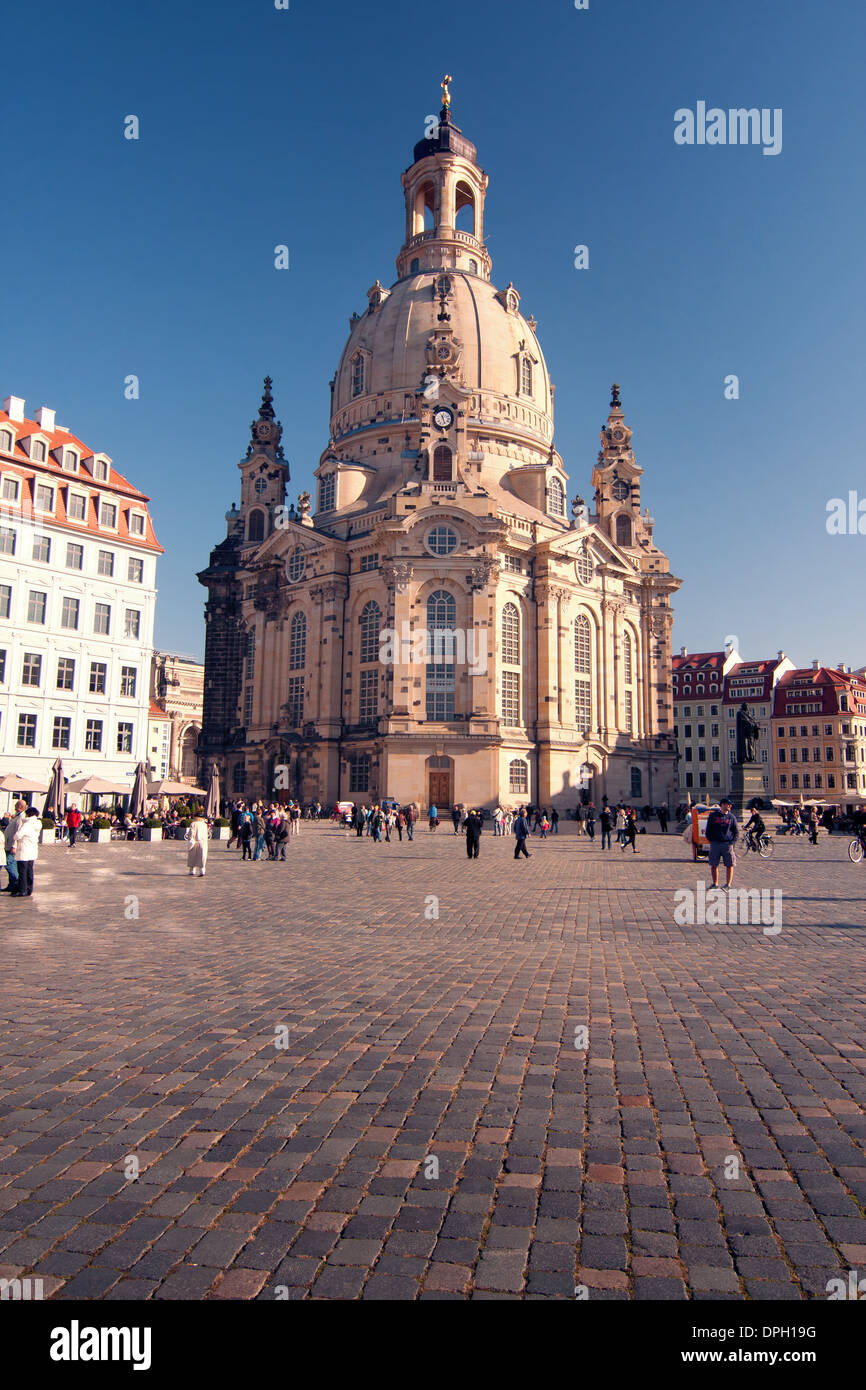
(139, 792)
(55, 801)
(212, 805)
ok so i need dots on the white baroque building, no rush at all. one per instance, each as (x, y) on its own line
(77, 598)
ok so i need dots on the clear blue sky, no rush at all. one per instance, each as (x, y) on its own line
(261, 126)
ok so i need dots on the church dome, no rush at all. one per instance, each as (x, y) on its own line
(389, 353)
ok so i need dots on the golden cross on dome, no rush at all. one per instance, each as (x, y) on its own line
(446, 95)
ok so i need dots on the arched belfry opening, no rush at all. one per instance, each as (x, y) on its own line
(425, 209)
(464, 209)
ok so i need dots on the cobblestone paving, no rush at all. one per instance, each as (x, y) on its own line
(430, 1127)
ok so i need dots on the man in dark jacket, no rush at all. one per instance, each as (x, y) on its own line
(722, 832)
(521, 830)
(473, 834)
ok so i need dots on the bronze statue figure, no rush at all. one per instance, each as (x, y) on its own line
(748, 733)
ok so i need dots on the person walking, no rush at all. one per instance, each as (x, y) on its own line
(245, 835)
(11, 831)
(521, 831)
(73, 821)
(399, 823)
(258, 832)
(455, 819)
(27, 851)
(813, 826)
(360, 821)
(590, 821)
(197, 839)
(281, 834)
(473, 834)
(606, 821)
(411, 817)
(630, 832)
(554, 820)
(295, 817)
(579, 814)
(621, 819)
(722, 831)
(663, 819)
(545, 825)
(433, 818)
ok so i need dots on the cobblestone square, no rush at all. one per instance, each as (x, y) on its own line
(390, 1072)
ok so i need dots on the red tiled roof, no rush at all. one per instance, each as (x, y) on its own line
(29, 471)
(156, 712)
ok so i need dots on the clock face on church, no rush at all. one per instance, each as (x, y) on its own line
(264, 430)
(443, 418)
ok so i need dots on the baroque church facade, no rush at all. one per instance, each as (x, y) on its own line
(433, 626)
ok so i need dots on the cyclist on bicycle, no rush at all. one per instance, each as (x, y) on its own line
(754, 828)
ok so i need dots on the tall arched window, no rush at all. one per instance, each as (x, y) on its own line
(526, 376)
(628, 681)
(582, 672)
(359, 374)
(464, 209)
(298, 642)
(518, 777)
(555, 498)
(510, 658)
(442, 472)
(371, 617)
(441, 619)
(623, 529)
(256, 525)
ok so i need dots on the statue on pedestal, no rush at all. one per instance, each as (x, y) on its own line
(748, 733)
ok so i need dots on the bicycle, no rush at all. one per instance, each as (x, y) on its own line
(764, 847)
(856, 848)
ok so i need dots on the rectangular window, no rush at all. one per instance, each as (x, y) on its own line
(7, 540)
(831, 781)
(687, 755)
(65, 673)
(74, 556)
(687, 731)
(105, 563)
(783, 782)
(108, 515)
(512, 564)
(44, 498)
(2, 666)
(818, 780)
(518, 777)
(251, 655)
(717, 780)
(102, 619)
(61, 732)
(135, 573)
(27, 731)
(136, 524)
(327, 492)
(42, 549)
(582, 703)
(98, 671)
(10, 489)
(629, 717)
(511, 697)
(69, 612)
(795, 780)
(781, 753)
(76, 507)
(5, 600)
(368, 705)
(369, 562)
(131, 622)
(128, 680)
(93, 736)
(296, 701)
(31, 669)
(36, 603)
(359, 772)
(248, 706)
(440, 690)
(690, 781)
(124, 738)
(715, 753)
(702, 757)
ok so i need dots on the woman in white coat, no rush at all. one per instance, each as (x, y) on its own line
(197, 839)
(26, 851)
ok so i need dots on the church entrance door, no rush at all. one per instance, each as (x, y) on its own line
(440, 789)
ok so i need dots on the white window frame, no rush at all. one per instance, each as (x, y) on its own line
(67, 452)
(6, 428)
(109, 502)
(10, 477)
(140, 516)
(32, 441)
(82, 496)
(45, 511)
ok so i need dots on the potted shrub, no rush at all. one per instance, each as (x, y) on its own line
(101, 832)
(221, 828)
(152, 829)
(49, 831)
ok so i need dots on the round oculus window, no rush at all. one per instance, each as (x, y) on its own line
(620, 490)
(296, 565)
(442, 540)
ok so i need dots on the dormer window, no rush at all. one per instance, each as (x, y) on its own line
(327, 492)
(359, 373)
(108, 516)
(555, 497)
(7, 441)
(44, 498)
(69, 461)
(100, 470)
(37, 450)
(136, 524)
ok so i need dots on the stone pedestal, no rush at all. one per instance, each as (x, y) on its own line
(747, 781)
